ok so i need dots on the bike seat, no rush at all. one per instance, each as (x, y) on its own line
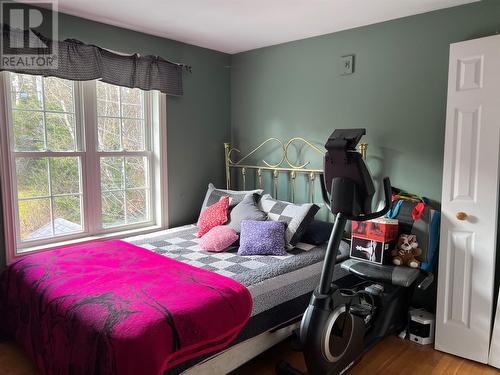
(395, 275)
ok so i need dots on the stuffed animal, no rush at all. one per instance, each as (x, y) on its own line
(406, 251)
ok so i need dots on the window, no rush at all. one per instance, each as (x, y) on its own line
(43, 124)
(82, 159)
(124, 156)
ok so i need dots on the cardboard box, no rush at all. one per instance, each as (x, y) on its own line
(373, 251)
(373, 240)
(380, 229)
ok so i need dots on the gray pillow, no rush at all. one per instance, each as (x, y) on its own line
(213, 195)
(247, 209)
(297, 216)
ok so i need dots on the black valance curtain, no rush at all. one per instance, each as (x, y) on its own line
(81, 62)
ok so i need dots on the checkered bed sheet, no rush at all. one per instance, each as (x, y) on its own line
(183, 245)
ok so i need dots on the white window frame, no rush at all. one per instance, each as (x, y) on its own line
(86, 122)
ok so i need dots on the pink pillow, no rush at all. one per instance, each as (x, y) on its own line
(213, 215)
(218, 238)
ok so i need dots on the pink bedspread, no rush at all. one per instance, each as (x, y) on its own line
(110, 307)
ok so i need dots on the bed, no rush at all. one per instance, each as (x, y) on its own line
(280, 286)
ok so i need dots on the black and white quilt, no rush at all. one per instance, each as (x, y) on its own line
(182, 244)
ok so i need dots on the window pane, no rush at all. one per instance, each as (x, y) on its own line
(132, 110)
(135, 169)
(28, 130)
(58, 95)
(108, 99)
(131, 100)
(131, 96)
(67, 214)
(61, 135)
(32, 177)
(136, 206)
(113, 209)
(112, 173)
(26, 91)
(133, 135)
(34, 219)
(65, 175)
(108, 130)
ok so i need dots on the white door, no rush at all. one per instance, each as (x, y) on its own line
(470, 186)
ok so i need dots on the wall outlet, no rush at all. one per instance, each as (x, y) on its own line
(346, 65)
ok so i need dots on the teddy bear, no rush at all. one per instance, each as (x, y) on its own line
(406, 251)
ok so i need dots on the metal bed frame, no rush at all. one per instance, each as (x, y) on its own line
(284, 166)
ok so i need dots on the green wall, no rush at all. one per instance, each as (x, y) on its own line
(398, 90)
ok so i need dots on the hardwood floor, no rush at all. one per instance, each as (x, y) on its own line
(391, 356)
(13, 361)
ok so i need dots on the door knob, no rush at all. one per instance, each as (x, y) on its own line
(461, 215)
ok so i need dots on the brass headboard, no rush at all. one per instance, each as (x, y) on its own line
(247, 164)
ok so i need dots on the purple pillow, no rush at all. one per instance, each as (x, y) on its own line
(262, 238)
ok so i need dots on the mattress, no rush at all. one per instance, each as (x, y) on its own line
(272, 280)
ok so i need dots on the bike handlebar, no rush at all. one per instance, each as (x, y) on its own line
(387, 204)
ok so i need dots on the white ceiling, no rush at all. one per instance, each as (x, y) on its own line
(239, 25)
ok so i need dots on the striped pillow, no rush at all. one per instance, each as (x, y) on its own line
(297, 216)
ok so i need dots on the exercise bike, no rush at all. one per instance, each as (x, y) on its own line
(346, 318)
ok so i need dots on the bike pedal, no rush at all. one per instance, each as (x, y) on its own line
(360, 310)
(375, 289)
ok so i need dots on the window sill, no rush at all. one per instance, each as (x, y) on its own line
(106, 236)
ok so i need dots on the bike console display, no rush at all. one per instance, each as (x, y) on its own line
(347, 186)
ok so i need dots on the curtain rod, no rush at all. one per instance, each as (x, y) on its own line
(186, 67)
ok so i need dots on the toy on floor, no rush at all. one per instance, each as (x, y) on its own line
(406, 251)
